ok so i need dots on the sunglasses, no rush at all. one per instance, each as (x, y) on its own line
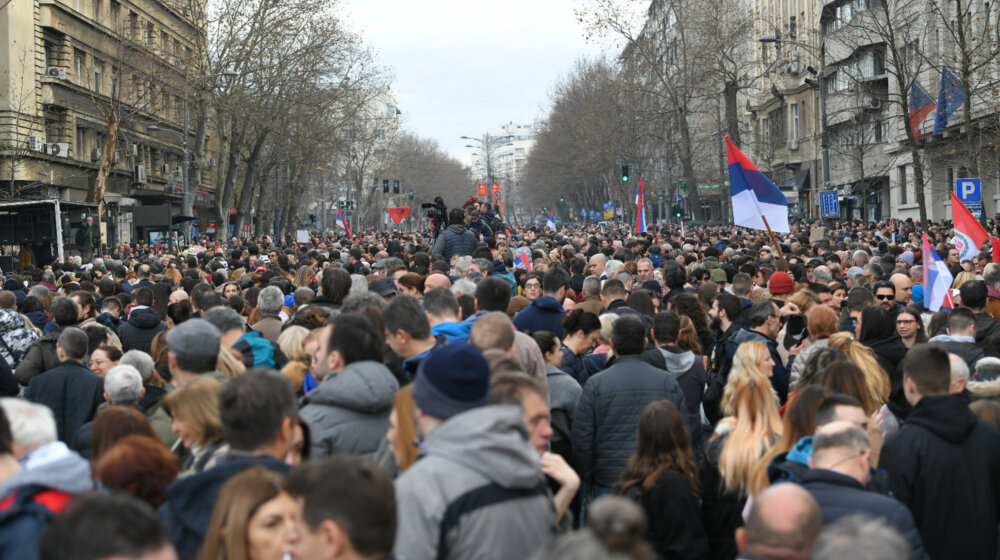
(884, 297)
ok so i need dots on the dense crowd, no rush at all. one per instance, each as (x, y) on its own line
(504, 392)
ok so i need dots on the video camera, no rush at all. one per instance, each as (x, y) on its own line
(437, 212)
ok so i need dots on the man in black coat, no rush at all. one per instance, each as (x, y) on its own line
(725, 316)
(840, 468)
(612, 401)
(944, 463)
(143, 323)
(72, 391)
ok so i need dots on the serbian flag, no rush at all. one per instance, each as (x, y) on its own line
(755, 197)
(937, 280)
(969, 234)
(640, 209)
(921, 105)
(551, 223)
(342, 222)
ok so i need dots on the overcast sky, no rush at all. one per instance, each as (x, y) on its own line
(465, 67)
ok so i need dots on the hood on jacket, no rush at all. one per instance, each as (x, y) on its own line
(37, 318)
(457, 228)
(802, 451)
(262, 349)
(490, 440)
(53, 466)
(949, 338)
(947, 416)
(144, 318)
(547, 303)
(749, 335)
(367, 387)
(678, 361)
(452, 330)
(985, 389)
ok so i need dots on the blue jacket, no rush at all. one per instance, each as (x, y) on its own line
(839, 495)
(188, 507)
(455, 240)
(544, 314)
(452, 330)
(260, 352)
(72, 391)
(608, 412)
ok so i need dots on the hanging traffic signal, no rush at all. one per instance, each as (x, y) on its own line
(395, 187)
(624, 174)
(385, 186)
(562, 199)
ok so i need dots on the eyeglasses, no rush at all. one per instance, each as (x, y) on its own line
(884, 297)
(532, 286)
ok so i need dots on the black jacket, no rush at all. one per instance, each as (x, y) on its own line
(968, 351)
(190, 500)
(455, 240)
(986, 326)
(675, 527)
(944, 465)
(608, 413)
(142, 326)
(839, 495)
(721, 510)
(720, 361)
(72, 391)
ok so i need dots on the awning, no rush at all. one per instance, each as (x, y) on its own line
(179, 219)
(801, 179)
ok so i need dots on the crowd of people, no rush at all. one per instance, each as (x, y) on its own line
(504, 392)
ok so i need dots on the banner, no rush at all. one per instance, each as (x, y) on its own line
(609, 210)
(399, 213)
(495, 191)
(482, 189)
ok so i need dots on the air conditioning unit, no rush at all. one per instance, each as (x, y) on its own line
(131, 150)
(59, 72)
(165, 169)
(139, 175)
(95, 154)
(793, 145)
(36, 144)
(179, 170)
(60, 149)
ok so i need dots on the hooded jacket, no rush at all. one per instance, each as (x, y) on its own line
(944, 465)
(544, 314)
(32, 497)
(455, 240)
(142, 326)
(349, 411)
(483, 446)
(258, 351)
(188, 507)
(839, 496)
(963, 347)
(609, 411)
(452, 330)
(688, 369)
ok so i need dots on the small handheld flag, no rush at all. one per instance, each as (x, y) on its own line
(551, 223)
(937, 280)
(640, 209)
(755, 198)
(342, 222)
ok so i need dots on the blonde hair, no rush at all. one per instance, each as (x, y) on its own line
(962, 278)
(748, 355)
(195, 404)
(292, 342)
(230, 363)
(755, 427)
(876, 379)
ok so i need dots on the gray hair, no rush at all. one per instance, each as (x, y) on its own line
(591, 285)
(860, 537)
(464, 286)
(141, 361)
(74, 343)
(359, 285)
(39, 291)
(224, 318)
(851, 437)
(123, 384)
(270, 300)
(959, 368)
(613, 267)
(31, 425)
(625, 277)
(462, 263)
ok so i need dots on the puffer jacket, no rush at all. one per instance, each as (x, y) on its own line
(41, 357)
(608, 412)
(486, 447)
(455, 240)
(544, 314)
(142, 326)
(16, 336)
(349, 411)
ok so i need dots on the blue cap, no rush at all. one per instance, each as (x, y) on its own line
(451, 380)
(289, 300)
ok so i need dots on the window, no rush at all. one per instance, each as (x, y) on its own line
(97, 10)
(150, 34)
(98, 75)
(903, 186)
(79, 67)
(116, 13)
(794, 111)
(81, 142)
(950, 176)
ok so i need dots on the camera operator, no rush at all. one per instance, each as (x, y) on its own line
(478, 224)
(456, 239)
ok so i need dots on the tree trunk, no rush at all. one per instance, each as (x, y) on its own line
(249, 181)
(96, 195)
(730, 92)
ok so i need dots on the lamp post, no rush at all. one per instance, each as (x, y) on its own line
(819, 84)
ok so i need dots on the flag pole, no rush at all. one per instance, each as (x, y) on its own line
(774, 242)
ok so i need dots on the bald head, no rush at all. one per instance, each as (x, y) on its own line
(436, 281)
(903, 285)
(783, 524)
(597, 263)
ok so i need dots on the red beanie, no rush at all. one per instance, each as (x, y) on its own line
(780, 283)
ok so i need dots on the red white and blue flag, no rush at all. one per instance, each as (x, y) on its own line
(937, 280)
(342, 222)
(755, 197)
(551, 223)
(640, 209)
(969, 233)
(921, 105)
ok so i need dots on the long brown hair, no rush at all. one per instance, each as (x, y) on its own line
(114, 424)
(406, 428)
(237, 503)
(847, 378)
(662, 444)
(799, 421)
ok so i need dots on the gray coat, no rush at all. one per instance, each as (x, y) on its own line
(564, 393)
(349, 411)
(269, 326)
(478, 447)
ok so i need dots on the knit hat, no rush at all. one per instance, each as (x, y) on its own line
(451, 380)
(917, 294)
(194, 337)
(907, 257)
(780, 283)
(719, 276)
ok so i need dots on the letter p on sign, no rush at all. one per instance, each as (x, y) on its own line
(969, 190)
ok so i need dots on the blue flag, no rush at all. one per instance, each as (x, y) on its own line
(950, 98)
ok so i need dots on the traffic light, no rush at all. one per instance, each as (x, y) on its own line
(395, 187)
(562, 199)
(678, 211)
(385, 186)
(624, 174)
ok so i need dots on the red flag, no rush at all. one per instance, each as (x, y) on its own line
(969, 233)
(398, 213)
(996, 249)
(482, 189)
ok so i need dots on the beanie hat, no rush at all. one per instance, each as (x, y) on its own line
(451, 380)
(780, 283)
(907, 257)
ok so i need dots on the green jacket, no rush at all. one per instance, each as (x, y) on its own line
(88, 238)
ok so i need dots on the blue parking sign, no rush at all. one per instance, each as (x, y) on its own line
(970, 192)
(829, 204)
